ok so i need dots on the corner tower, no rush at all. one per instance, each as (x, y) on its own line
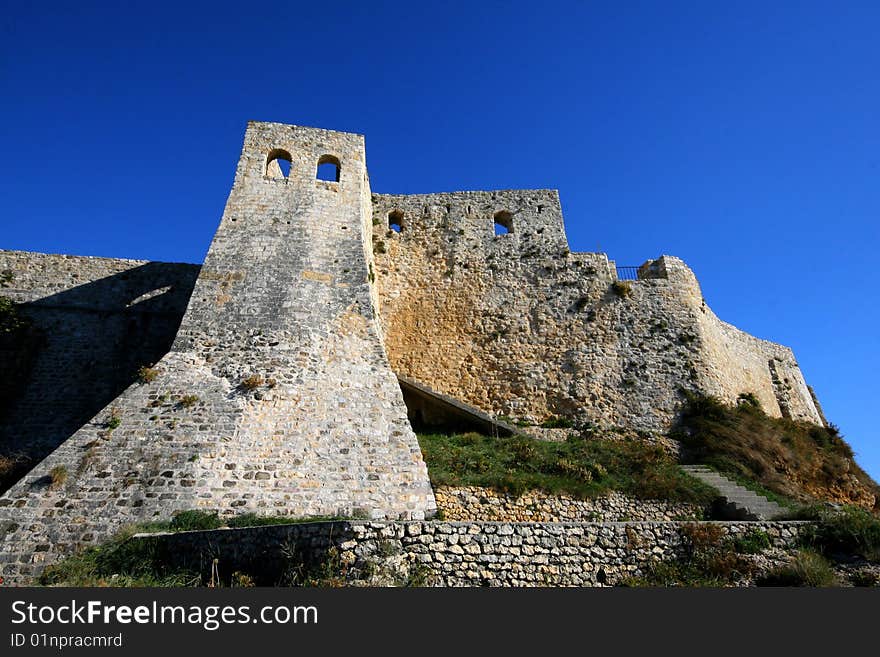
(276, 397)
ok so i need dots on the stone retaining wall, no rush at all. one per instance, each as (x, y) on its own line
(452, 553)
(473, 503)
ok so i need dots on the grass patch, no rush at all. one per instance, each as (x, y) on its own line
(119, 562)
(113, 421)
(807, 568)
(147, 374)
(557, 423)
(793, 460)
(58, 475)
(189, 521)
(253, 520)
(580, 467)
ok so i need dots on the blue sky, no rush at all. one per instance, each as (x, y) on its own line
(742, 137)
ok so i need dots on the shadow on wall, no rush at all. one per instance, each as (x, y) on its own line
(85, 348)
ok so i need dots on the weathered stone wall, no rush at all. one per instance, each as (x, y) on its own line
(474, 503)
(95, 322)
(516, 324)
(457, 553)
(276, 396)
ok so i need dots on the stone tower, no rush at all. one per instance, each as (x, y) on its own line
(276, 397)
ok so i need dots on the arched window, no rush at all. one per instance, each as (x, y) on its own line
(395, 221)
(278, 163)
(503, 222)
(328, 168)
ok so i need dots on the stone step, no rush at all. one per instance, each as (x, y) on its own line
(738, 501)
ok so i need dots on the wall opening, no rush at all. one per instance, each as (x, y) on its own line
(503, 222)
(395, 221)
(328, 168)
(278, 163)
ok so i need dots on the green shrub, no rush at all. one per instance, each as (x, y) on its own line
(113, 421)
(749, 399)
(706, 559)
(807, 568)
(754, 542)
(851, 531)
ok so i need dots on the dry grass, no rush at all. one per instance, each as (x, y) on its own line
(797, 460)
(252, 382)
(12, 468)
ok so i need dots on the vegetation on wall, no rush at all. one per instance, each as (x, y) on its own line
(707, 559)
(798, 460)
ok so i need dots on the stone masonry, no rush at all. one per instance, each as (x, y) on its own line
(273, 385)
(459, 553)
(516, 324)
(475, 503)
(276, 397)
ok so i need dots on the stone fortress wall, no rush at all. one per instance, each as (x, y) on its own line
(276, 396)
(277, 393)
(98, 321)
(516, 324)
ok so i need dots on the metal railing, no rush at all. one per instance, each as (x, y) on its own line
(627, 273)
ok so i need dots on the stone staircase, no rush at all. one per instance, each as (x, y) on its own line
(736, 502)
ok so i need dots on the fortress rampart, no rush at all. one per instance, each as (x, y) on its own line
(272, 384)
(516, 324)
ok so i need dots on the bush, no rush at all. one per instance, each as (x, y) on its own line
(754, 542)
(807, 568)
(749, 399)
(851, 531)
(707, 559)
